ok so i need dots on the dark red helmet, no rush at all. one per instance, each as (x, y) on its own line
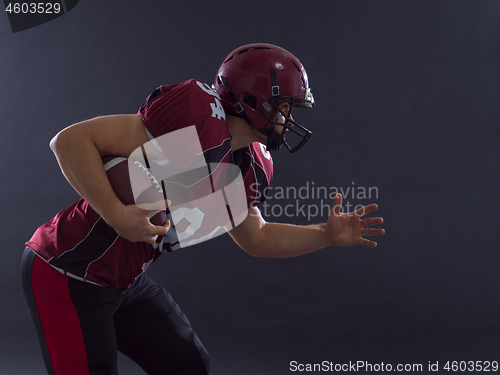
(254, 80)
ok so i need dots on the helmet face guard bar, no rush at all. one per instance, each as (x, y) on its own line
(301, 134)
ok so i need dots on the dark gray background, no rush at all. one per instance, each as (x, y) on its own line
(407, 101)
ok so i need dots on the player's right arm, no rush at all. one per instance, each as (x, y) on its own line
(79, 148)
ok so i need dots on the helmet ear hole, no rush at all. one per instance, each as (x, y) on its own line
(250, 100)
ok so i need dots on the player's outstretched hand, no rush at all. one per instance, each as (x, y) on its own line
(132, 223)
(346, 229)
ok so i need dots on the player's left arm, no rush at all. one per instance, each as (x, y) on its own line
(275, 240)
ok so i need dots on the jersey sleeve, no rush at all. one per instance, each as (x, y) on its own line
(259, 176)
(172, 107)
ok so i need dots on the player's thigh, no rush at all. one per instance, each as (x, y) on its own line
(73, 340)
(155, 333)
(95, 306)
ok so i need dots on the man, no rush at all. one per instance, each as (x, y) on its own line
(83, 271)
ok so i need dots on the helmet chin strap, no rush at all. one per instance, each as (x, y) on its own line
(274, 140)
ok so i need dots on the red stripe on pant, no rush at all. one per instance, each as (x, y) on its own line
(59, 319)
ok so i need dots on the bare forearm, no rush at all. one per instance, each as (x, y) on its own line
(80, 162)
(286, 240)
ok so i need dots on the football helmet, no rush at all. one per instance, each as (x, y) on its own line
(253, 82)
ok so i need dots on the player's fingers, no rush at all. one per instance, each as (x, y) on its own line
(166, 225)
(366, 209)
(367, 243)
(371, 221)
(161, 230)
(372, 232)
(337, 204)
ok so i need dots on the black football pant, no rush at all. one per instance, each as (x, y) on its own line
(81, 326)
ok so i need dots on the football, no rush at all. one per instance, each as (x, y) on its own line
(117, 170)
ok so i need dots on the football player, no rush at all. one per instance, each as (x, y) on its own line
(83, 271)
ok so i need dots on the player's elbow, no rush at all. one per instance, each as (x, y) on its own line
(67, 140)
(53, 143)
(253, 251)
(250, 247)
(256, 248)
(250, 244)
(250, 235)
(59, 143)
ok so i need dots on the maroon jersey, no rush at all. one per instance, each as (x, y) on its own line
(79, 243)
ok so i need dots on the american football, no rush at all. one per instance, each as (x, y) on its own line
(117, 170)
